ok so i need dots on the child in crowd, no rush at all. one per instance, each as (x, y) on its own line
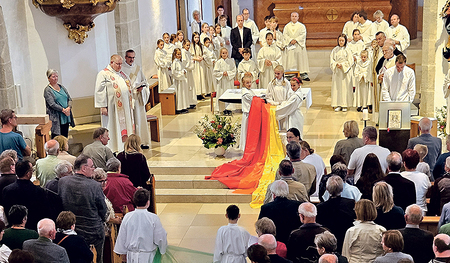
(210, 60)
(205, 32)
(290, 109)
(179, 81)
(173, 39)
(168, 47)
(196, 50)
(278, 38)
(224, 72)
(189, 66)
(279, 89)
(248, 67)
(269, 57)
(341, 61)
(247, 97)
(264, 31)
(162, 64)
(218, 40)
(180, 39)
(363, 81)
(225, 31)
(231, 240)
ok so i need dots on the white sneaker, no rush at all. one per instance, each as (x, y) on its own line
(338, 108)
(344, 109)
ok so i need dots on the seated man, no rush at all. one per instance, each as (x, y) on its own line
(8, 173)
(43, 249)
(45, 168)
(119, 189)
(297, 191)
(269, 242)
(98, 151)
(441, 248)
(439, 167)
(63, 168)
(17, 233)
(10, 139)
(141, 232)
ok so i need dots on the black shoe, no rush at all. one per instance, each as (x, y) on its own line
(145, 147)
(370, 109)
(306, 79)
(200, 97)
(184, 111)
(359, 109)
(192, 106)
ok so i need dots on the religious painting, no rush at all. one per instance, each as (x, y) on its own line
(394, 119)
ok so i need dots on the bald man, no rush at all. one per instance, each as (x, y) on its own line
(399, 33)
(113, 95)
(441, 248)
(45, 168)
(328, 258)
(43, 249)
(269, 242)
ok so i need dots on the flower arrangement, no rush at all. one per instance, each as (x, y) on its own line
(218, 131)
(441, 115)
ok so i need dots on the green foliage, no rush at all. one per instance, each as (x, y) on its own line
(218, 131)
(441, 115)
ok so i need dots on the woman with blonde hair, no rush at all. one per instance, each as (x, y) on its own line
(63, 148)
(134, 163)
(346, 147)
(362, 242)
(389, 215)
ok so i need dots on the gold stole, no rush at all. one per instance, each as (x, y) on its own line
(133, 76)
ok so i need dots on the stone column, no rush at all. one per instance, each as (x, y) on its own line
(128, 31)
(429, 52)
(7, 91)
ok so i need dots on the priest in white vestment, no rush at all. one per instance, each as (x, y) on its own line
(399, 82)
(380, 24)
(141, 93)
(290, 109)
(295, 39)
(248, 23)
(113, 95)
(141, 232)
(399, 33)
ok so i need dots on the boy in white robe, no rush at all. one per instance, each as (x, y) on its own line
(247, 97)
(224, 72)
(264, 31)
(210, 60)
(226, 31)
(189, 66)
(290, 109)
(366, 29)
(231, 240)
(141, 232)
(269, 57)
(248, 66)
(295, 40)
(162, 64)
(168, 47)
(363, 79)
(180, 81)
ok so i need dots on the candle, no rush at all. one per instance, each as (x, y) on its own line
(365, 114)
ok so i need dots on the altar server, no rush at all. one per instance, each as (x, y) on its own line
(205, 32)
(351, 25)
(341, 61)
(363, 80)
(278, 38)
(366, 29)
(224, 72)
(180, 39)
(162, 64)
(168, 47)
(180, 81)
(226, 31)
(218, 40)
(290, 109)
(269, 57)
(264, 31)
(248, 67)
(196, 50)
(247, 97)
(189, 66)
(295, 37)
(210, 60)
(279, 89)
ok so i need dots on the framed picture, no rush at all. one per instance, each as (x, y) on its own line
(394, 119)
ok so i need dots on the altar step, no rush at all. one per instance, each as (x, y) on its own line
(188, 185)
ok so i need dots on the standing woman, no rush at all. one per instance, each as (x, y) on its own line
(59, 104)
(346, 147)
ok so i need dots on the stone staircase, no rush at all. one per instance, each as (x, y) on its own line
(187, 185)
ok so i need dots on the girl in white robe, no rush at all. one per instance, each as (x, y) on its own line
(162, 65)
(248, 66)
(210, 60)
(168, 47)
(341, 61)
(189, 66)
(180, 39)
(279, 89)
(290, 109)
(269, 57)
(196, 50)
(350, 25)
(218, 40)
(278, 38)
(247, 97)
(224, 72)
(180, 81)
(205, 32)
(363, 77)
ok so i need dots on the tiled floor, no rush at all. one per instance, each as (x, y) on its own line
(195, 225)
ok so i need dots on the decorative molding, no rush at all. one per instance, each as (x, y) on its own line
(79, 33)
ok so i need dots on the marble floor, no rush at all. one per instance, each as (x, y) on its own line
(194, 226)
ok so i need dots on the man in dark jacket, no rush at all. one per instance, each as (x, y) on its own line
(240, 38)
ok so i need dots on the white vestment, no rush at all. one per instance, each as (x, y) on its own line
(296, 56)
(180, 83)
(189, 66)
(210, 59)
(202, 38)
(248, 66)
(224, 82)
(138, 79)
(446, 91)
(278, 90)
(162, 64)
(381, 26)
(231, 244)
(399, 33)
(398, 86)
(348, 29)
(169, 49)
(355, 49)
(219, 43)
(247, 97)
(226, 31)
(262, 36)
(290, 110)
(267, 74)
(367, 31)
(363, 79)
(255, 34)
(179, 44)
(199, 70)
(140, 234)
(105, 97)
(341, 87)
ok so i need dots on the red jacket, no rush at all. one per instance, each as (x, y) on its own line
(119, 190)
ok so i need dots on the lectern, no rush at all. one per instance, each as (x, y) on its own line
(395, 125)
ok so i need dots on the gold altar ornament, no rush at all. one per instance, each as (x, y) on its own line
(77, 15)
(332, 14)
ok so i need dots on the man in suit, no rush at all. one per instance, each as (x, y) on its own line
(240, 37)
(418, 242)
(434, 144)
(43, 249)
(404, 189)
(337, 212)
(282, 211)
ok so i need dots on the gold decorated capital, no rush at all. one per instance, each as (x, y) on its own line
(79, 33)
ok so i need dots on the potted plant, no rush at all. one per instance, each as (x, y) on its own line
(218, 132)
(441, 116)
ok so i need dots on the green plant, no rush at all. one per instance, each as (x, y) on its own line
(218, 131)
(441, 116)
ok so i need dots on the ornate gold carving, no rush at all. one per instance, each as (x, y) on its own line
(94, 2)
(67, 4)
(38, 3)
(332, 14)
(109, 2)
(79, 33)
